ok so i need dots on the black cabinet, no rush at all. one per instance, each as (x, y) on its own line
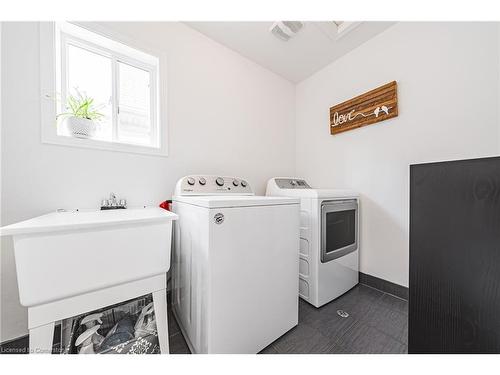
(454, 294)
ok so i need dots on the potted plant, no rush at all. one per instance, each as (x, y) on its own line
(81, 116)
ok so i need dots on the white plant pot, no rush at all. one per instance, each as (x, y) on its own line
(80, 127)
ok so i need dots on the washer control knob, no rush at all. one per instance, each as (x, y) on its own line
(244, 184)
(191, 181)
(236, 182)
(219, 181)
(202, 181)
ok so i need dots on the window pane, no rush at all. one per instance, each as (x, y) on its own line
(134, 122)
(90, 74)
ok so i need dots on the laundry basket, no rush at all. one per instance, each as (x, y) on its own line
(127, 328)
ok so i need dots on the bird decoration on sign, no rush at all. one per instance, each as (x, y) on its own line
(378, 109)
(359, 111)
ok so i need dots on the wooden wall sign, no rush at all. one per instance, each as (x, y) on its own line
(373, 106)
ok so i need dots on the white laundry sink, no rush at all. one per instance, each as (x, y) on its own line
(65, 254)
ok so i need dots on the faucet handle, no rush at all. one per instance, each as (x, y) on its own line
(112, 200)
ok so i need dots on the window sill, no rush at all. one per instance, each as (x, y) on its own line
(103, 145)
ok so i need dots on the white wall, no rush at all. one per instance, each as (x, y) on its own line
(447, 75)
(226, 114)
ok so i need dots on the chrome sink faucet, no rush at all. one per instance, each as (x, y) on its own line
(112, 203)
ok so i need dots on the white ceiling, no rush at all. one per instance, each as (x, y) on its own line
(308, 51)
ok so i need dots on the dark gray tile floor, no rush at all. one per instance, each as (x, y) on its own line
(377, 323)
(176, 340)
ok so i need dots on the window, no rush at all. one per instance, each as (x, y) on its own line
(121, 81)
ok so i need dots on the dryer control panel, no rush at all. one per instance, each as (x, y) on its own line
(291, 183)
(212, 185)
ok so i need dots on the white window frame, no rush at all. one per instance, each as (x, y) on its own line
(49, 87)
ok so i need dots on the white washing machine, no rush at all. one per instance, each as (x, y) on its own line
(234, 266)
(329, 245)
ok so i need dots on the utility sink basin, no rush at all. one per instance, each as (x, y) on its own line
(65, 254)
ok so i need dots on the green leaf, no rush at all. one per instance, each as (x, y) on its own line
(81, 105)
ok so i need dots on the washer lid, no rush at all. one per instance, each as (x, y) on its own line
(235, 201)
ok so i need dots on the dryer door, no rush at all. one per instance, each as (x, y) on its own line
(339, 229)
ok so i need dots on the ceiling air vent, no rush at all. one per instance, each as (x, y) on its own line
(284, 30)
(344, 27)
(336, 29)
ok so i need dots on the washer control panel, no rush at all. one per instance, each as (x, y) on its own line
(291, 183)
(211, 185)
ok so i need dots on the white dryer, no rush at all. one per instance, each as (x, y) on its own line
(234, 266)
(329, 239)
